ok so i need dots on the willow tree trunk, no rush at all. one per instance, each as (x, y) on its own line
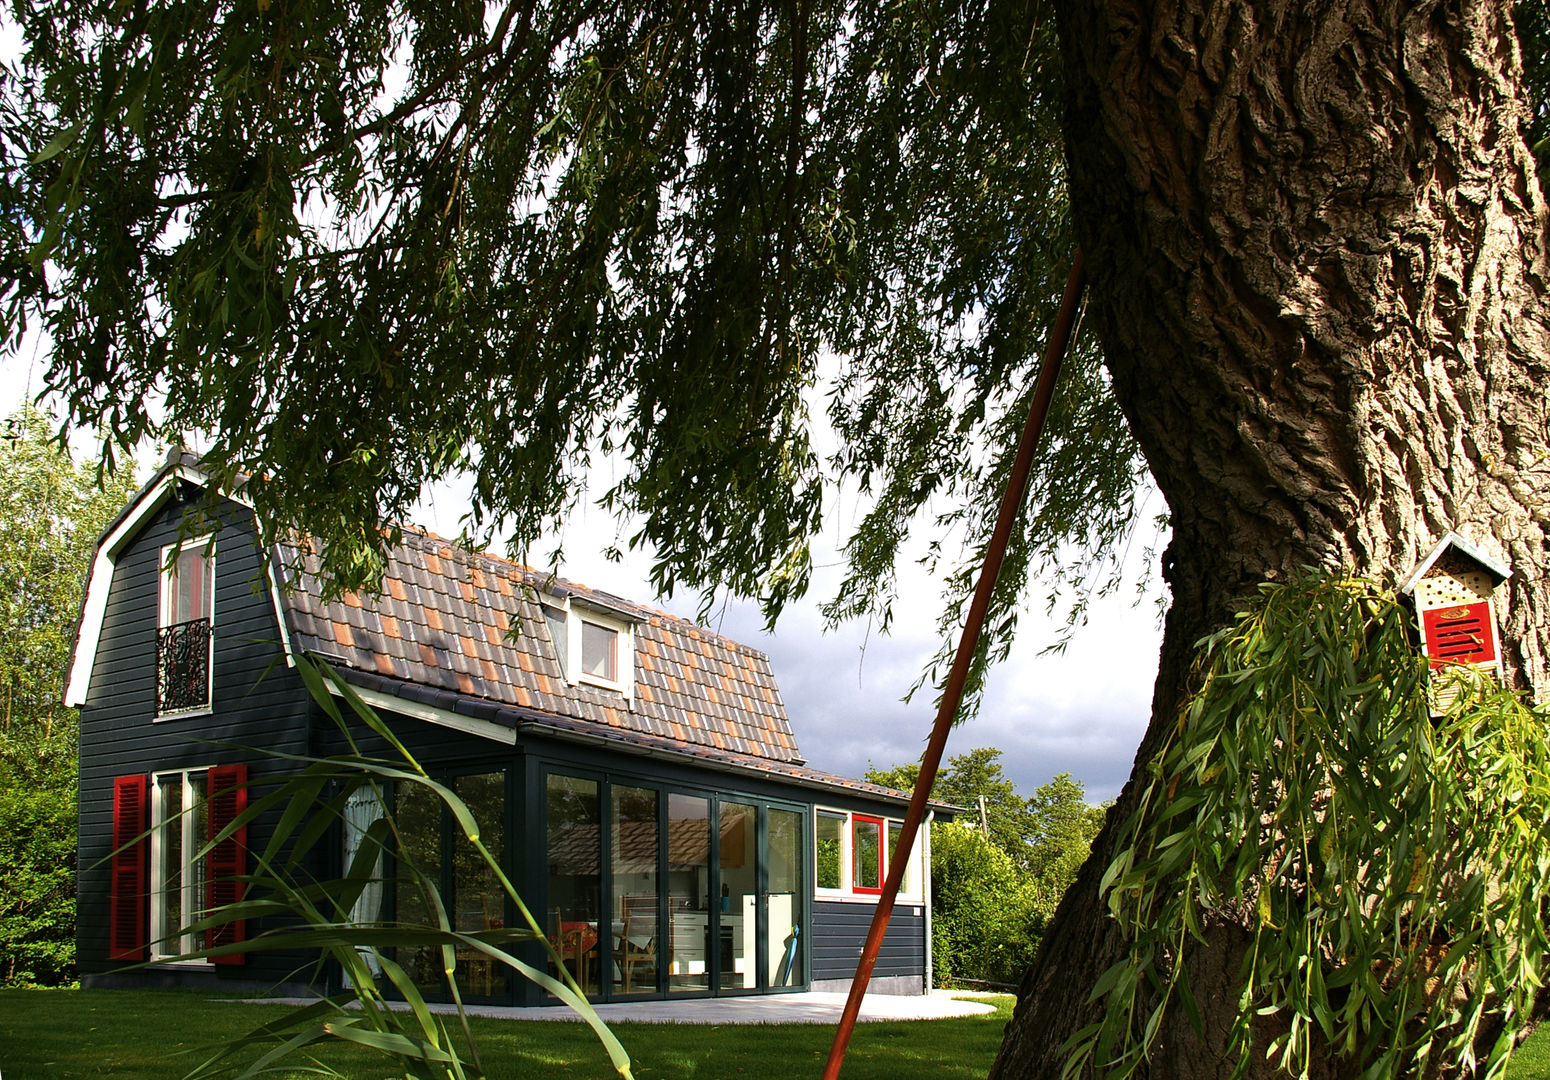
(1317, 251)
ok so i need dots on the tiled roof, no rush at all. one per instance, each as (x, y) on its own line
(471, 624)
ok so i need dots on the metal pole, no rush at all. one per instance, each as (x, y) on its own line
(952, 693)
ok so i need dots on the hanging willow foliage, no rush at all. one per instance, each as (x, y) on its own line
(1390, 867)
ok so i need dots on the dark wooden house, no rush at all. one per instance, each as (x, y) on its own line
(639, 774)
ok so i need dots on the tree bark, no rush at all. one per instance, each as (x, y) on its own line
(1317, 255)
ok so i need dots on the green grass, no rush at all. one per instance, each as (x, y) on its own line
(148, 1035)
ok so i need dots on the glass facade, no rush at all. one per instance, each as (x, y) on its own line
(417, 871)
(646, 889)
(783, 899)
(479, 901)
(433, 862)
(634, 831)
(703, 892)
(575, 860)
(688, 876)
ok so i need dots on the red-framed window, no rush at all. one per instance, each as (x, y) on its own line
(866, 854)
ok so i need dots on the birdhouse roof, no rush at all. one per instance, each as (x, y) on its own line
(1498, 570)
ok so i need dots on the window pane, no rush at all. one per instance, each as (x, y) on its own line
(574, 846)
(831, 832)
(783, 952)
(196, 832)
(189, 587)
(555, 618)
(599, 651)
(181, 821)
(688, 888)
(634, 866)
(363, 808)
(910, 883)
(868, 854)
(417, 871)
(477, 893)
(169, 863)
(739, 840)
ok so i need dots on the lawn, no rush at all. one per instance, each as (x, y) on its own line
(151, 1035)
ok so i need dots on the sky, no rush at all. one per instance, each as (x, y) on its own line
(1081, 711)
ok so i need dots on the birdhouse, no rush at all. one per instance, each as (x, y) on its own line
(1452, 590)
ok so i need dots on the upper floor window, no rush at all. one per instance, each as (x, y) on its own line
(183, 642)
(599, 651)
(593, 647)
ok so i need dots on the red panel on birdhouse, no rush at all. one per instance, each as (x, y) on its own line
(1461, 634)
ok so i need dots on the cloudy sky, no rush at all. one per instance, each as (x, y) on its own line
(1081, 711)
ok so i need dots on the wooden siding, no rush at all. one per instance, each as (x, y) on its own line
(839, 932)
(258, 702)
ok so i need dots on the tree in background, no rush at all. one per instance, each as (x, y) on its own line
(987, 912)
(51, 514)
(1061, 831)
(995, 884)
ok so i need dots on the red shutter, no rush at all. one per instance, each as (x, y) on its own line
(228, 794)
(128, 870)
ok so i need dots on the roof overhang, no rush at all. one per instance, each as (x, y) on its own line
(506, 724)
(1499, 570)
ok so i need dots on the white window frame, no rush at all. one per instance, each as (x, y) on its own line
(910, 889)
(624, 659)
(191, 886)
(166, 601)
(845, 861)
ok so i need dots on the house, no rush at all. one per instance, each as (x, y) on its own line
(638, 774)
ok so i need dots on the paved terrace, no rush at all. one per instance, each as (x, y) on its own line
(801, 1008)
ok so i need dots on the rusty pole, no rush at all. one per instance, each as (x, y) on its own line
(952, 694)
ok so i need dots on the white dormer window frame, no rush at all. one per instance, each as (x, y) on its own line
(599, 647)
(171, 613)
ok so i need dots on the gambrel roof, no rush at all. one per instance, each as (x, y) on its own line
(471, 624)
(459, 638)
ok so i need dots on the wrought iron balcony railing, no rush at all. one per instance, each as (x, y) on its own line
(183, 667)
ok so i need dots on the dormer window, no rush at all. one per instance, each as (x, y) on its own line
(594, 647)
(599, 652)
(183, 640)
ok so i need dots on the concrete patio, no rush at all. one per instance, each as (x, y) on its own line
(802, 1008)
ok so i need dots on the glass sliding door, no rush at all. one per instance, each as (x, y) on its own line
(739, 866)
(417, 871)
(478, 900)
(688, 892)
(633, 866)
(575, 865)
(782, 956)
(652, 891)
